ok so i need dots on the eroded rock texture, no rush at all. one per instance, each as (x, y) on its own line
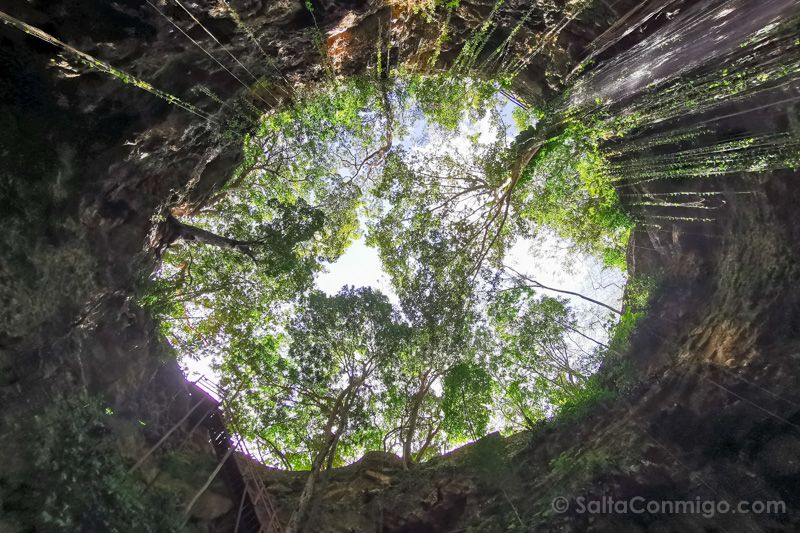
(87, 162)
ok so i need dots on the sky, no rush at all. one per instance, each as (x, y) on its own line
(546, 260)
(360, 266)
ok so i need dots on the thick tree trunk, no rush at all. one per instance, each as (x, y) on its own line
(528, 143)
(332, 450)
(339, 411)
(175, 230)
(413, 417)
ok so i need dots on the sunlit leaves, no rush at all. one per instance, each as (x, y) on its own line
(567, 190)
(467, 399)
(535, 363)
(211, 295)
(316, 378)
(337, 338)
(444, 99)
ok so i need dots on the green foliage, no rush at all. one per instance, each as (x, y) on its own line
(324, 115)
(526, 118)
(569, 192)
(293, 396)
(210, 294)
(81, 482)
(289, 201)
(584, 464)
(428, 8)
(475, 45)
(539, 369)
(489, 456)
(327, 378)
(638, 294)
(467, 397)
(621, 332)
(583, 400)
(446, 98)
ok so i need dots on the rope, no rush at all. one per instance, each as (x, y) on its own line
(200, 46)
(210, 34)
(240, 23)
(102, 66)
(165, 437)
(216, 40)
(239, 514)
(207, 484)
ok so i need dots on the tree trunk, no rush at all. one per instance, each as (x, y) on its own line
(332, 450)
(175, 230)
(528, 143)
(412, 428)
(330, 440)
(432, 432)
(413, 417)
(305, 496)
(308, 489)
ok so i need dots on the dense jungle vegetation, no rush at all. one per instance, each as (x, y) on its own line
(471, 346)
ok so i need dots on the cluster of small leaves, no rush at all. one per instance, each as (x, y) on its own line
(581, 401)
(467, 400)
(526, 118)
(569, 192)
(318, 378)
(428, 8)
(81, 481)
(447, 99)
(539, 370)
(637, 298)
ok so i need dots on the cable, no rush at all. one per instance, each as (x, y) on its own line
(200, 46)
(104, 67)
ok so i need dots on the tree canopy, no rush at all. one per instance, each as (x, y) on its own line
(469, 346)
